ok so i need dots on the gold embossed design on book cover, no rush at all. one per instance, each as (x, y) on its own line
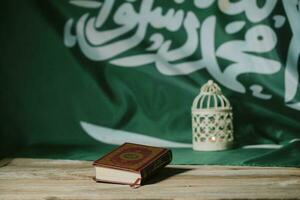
(130, 157)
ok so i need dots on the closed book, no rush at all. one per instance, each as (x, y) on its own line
(131, 164)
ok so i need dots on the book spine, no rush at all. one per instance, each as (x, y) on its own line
(156, 165)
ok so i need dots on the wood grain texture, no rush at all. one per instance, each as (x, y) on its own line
(63, 179)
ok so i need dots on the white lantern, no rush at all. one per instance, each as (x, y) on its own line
(211, 119)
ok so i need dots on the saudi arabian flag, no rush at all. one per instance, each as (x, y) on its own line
(79, 77)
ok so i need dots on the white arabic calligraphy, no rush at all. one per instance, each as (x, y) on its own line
(245, 55)
(291, 75)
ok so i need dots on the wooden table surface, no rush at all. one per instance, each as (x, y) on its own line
(64, 179)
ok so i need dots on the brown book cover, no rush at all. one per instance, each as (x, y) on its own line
(141, 159)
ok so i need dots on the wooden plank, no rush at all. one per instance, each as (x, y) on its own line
(63, 179)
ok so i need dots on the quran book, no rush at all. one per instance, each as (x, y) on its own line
(131, 164)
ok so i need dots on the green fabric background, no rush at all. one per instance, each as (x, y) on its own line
(47, 89)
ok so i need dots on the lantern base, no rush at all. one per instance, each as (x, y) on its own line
(209, 146)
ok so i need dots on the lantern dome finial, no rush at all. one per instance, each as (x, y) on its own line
(210, 87)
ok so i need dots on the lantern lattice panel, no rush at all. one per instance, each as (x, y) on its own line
(215, 127)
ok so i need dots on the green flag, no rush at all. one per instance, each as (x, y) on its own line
(79, 77)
